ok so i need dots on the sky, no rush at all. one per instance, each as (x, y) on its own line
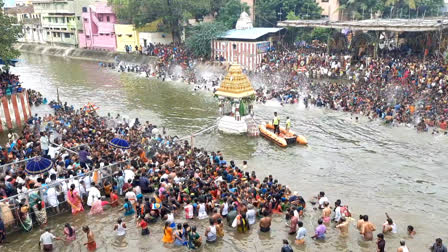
(9, 3)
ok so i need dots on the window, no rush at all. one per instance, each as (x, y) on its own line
(85, 20)
(48, 33)
(67, 35)
(107, 18)
(55, 19)
(100, 19)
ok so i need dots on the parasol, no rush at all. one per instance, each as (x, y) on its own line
(90, 107)
(38, 165)
(119, 143)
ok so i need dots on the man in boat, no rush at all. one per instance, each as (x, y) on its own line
(276, 123)
(288, 124)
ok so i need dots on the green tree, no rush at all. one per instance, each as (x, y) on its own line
(268, 12)
(174, 13)
(230, 12)
(10, 32)
(199, 38)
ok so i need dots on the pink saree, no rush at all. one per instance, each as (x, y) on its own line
(74, 201)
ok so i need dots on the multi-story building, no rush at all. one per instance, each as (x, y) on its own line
(126, 35)
(98, 30)
(61, 20)
(330, 9)
(30, 21)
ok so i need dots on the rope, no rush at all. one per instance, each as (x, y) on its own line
(200, 131)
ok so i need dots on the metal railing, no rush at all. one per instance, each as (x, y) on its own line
(61, 187)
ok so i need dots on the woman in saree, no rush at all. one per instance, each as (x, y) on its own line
(38, 207)
(74, 200)
(24, 217)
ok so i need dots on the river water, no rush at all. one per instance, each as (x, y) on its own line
(373, 168)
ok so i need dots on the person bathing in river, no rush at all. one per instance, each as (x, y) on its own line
(343, 226)
(265, 223)
(411, 231)
(367, 229)
(389, 226)
(326, 213)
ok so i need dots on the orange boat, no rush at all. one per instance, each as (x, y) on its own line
(285, 138)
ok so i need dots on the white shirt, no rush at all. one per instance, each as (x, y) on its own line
(94, 195)
(251, 216)
(128, 174)
(44, 142)
(52, 196)
(121, 230)
(47, 238)
(322, 201)
(337, 214)
(301, 233)
(130, 195)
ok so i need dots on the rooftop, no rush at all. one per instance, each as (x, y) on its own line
(235, 84)
(395, 25)
(248, 34)
(20, 10)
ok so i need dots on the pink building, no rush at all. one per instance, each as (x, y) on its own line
(98, 27)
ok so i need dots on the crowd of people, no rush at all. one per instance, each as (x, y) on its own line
(9, 84)
(164, 180)
(398, 87)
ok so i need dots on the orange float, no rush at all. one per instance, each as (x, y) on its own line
(285, 138)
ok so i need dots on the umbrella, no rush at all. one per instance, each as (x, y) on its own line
(119, 143)
(90, 107)
(38, 165)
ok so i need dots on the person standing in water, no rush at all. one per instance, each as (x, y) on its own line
(380, 242)
(91, 244)
(288, 124)
(343, 226)
(367, 229)
(403, 247)
(120, 227)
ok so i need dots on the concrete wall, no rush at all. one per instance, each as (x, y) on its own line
(126, 35)
(155, 38)
(85, 54)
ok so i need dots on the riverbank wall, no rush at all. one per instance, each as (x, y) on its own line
(84, 54)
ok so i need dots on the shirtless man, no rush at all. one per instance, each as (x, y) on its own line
(360, 222)
(216, 215)
(91, 244)
(326, 213)
(343, 226)
(265, 223)
(367, 229)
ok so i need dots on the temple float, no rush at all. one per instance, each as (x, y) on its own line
(236, 96)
